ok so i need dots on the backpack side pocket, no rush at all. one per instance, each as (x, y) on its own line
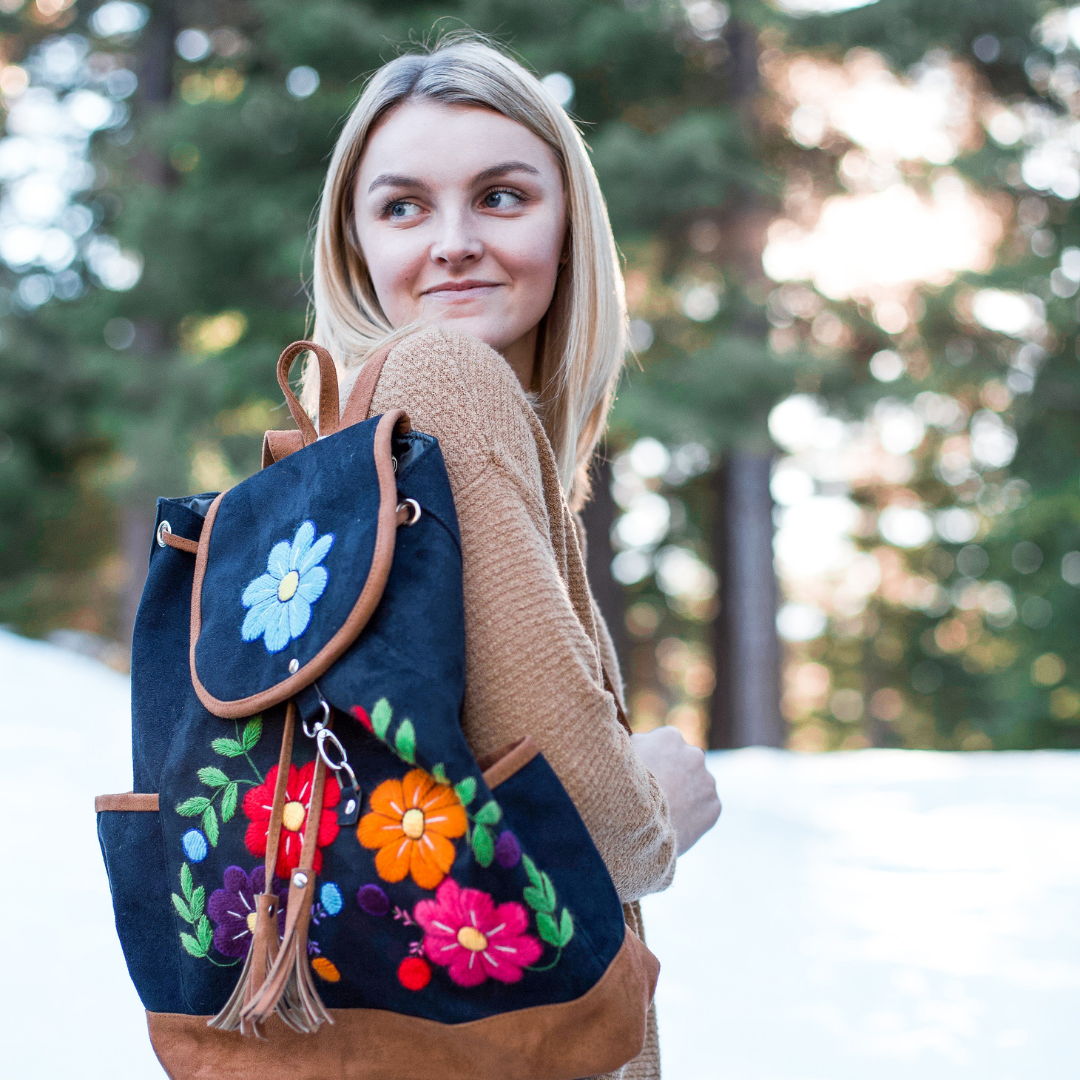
(129, 832)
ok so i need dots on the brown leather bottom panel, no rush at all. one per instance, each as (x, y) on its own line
(596, 1033)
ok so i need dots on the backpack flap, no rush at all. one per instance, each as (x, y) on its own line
(291, 564)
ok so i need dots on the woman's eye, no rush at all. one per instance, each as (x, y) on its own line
(401, 210)
(501, 200)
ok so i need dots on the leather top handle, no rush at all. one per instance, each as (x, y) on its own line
(328, 390)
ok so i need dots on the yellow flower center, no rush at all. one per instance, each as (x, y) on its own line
(412, 824)
(289, 584)
(293, 816)
(251, 921)
(470, 938)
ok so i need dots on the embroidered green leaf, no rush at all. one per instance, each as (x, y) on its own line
(212, 776)
(530, 869)
(227, 747)
(489, 813)
(192, 946)
(548, 927)
(182, 909)
(466, 790)
(540, 897)
(192, 807)
(405, 741)
(549, 892)
(252, 732)
(198, 901)
(381, 716)
(228, 802)
(210, 825)
(483, 845)
(534, 897)
(439, 773)
(205, 933)
(186, 883)
(566, 929)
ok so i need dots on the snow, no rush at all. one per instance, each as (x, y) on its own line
(877, 915)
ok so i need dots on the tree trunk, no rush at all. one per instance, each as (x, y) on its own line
(746, 702)
(598, 517)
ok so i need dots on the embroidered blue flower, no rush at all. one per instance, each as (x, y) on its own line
(281, 599)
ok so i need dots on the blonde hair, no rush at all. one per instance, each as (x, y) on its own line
(582, 338)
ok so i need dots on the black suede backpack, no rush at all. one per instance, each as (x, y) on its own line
(314, 879)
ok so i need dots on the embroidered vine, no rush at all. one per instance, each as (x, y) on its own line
(540, 896)
(232, 907)
(190, 908)
(221, 786)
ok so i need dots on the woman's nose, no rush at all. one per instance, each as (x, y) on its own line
(457, 244)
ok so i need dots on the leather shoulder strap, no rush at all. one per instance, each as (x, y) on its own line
(359, 404)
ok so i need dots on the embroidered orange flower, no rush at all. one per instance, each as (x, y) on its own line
(411, 823)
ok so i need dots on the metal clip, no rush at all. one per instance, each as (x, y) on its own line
(312, 732)
(349, 807)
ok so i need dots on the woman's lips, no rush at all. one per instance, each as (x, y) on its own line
(462, 290)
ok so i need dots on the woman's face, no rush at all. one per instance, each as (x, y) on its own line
(461, 219)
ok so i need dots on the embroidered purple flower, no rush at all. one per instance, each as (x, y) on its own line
(373, 900)
(280, 600)
(507, 850)
(233, 909)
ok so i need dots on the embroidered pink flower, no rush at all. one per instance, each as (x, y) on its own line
(465, 932)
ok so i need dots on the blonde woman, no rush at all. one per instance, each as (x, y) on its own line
(461, 214)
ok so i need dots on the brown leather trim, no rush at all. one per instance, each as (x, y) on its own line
(280, 444)
(501, 764)
(126, 800)
(181, 543)
(362, 610)
(596, 1033)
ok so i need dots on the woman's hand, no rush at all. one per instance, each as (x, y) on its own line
(680, 771)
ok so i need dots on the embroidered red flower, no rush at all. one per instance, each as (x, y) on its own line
(259, 802)
(465, 932)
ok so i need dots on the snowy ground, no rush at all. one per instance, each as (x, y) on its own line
(868, 916)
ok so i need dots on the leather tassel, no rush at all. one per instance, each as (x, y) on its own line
(264, 939)
(260, 959)
(289, 989)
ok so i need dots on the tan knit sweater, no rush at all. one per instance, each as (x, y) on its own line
(534, 637)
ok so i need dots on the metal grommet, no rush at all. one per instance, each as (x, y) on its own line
(294, 666)
(393, 463)
(416, 511)
(163, 528)
(299, 879)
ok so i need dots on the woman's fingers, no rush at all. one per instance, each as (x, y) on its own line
(690, 789)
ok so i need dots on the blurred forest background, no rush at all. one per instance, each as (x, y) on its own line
(840, 500)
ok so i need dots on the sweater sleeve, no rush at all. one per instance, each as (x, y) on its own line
(532, 663)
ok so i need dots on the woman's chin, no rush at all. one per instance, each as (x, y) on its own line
(472, 323)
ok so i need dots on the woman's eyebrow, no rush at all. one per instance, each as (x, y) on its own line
(501, 170)
(395, 180)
